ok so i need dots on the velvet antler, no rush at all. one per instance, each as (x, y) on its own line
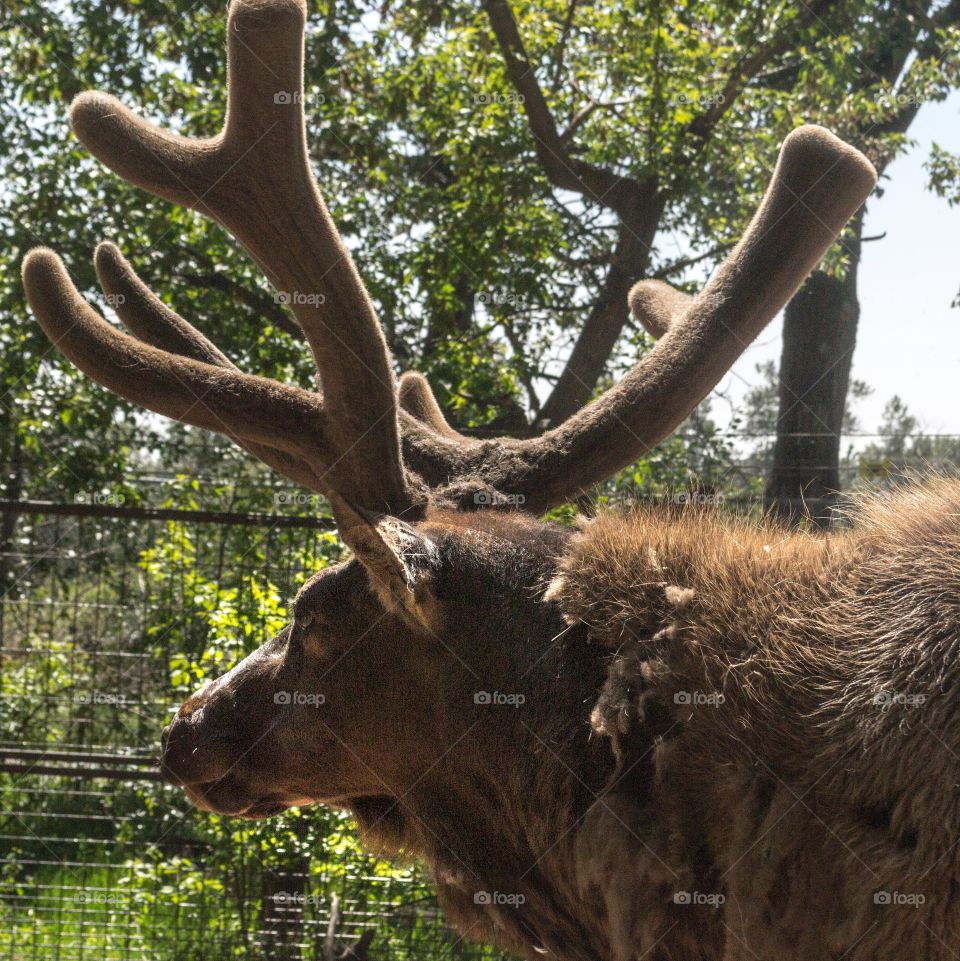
(254, 178)
(147, 317)
(365, 439)
(819, 182)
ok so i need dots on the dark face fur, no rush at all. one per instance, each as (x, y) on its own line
(408, 716)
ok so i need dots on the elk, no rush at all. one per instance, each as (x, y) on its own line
(658, 736)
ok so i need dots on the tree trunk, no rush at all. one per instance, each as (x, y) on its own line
(819, 335)
(606, 320)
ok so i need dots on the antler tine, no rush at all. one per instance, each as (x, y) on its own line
(221, 399)
(657, 305)
(149, 319)
(146, 316)
(417, 399)
(254, 178)
(818, 184)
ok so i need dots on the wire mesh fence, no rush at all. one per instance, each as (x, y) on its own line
(110, 616)
(112, 613)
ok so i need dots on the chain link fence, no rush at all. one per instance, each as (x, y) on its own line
(109, 617)
(111, 614)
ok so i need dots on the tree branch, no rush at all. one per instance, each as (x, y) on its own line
(748, 67)
(605, 322)
(622, 194)
(558, 60)
(683, 264)
(257, 302)
(637, 204)
(929, 47)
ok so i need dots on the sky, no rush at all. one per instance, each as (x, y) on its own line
(909, 335)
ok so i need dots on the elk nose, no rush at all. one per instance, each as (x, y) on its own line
(187, 756)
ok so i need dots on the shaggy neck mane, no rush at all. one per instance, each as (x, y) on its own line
(759, 690)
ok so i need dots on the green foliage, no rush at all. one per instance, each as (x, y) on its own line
(482, 273)
(943, 168)
(481, 270)
(904, 449)
(143, 622)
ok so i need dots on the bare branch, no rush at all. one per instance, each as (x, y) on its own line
(561, 49)
(685, 262)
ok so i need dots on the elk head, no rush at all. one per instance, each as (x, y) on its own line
(381, 694)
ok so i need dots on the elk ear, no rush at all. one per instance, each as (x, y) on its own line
(399, 560)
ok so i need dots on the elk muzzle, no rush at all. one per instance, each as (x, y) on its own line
(219, 746)
(189, 755)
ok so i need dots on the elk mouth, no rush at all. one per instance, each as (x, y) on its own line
(228, 798)
(265, 808)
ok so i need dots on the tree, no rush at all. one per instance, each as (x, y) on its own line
(904, 448)
(503, 173)
(760, 411)
(909, 57)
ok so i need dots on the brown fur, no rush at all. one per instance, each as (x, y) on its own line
(807, 767)
(774, 750)
(790, 798)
